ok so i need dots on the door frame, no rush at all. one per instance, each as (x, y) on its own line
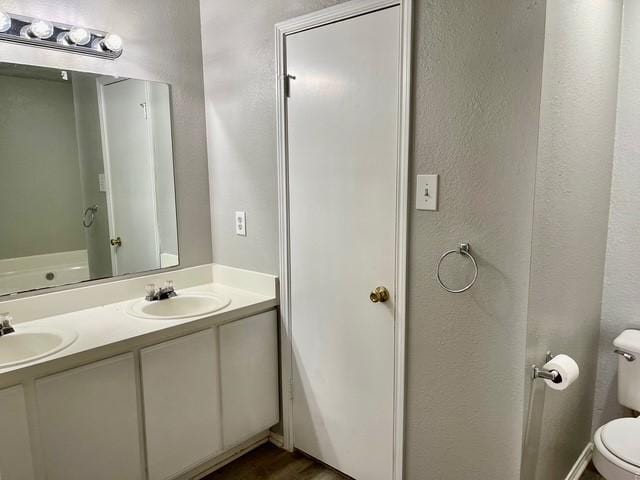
(340, 12)
(102, 82)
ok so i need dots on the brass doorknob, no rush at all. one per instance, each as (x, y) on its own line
(116, 242)
(380, 294)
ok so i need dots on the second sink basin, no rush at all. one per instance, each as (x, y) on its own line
(27, 344)
(183, 306)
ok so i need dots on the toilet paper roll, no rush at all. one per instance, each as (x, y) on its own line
(566, 367)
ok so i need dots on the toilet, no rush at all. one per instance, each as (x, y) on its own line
(617, 444)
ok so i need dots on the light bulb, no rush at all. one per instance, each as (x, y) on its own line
(113, 42)
(5, 21)
(79, 36)
(41, 29)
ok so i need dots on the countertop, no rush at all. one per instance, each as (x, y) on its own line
(109, 329)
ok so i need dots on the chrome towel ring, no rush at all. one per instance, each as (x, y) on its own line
(89, 216)
(464, 249)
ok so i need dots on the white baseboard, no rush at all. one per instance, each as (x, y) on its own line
(276, 439)
(581, 464)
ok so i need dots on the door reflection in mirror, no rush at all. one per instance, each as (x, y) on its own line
(86, 160)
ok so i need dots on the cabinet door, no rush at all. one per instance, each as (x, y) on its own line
(249, 366)
(89, 422)
(15, 448)
(180, 383)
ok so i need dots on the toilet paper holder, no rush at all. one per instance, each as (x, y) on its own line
(543, 373)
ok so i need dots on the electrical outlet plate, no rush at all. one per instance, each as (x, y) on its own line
(427, 192)
(241, 224)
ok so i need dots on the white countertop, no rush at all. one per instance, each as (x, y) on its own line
(111, 325)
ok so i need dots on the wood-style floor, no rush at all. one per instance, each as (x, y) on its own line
(268, 462)
(591, 473)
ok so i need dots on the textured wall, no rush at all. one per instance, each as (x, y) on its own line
(40, 198)
(477, 78)
(162, 43)
(577, 127)
(240, 90)
(621, 298)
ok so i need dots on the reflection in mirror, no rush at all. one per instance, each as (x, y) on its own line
(86, 188)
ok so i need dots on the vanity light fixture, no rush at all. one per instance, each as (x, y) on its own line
(5, 21)
(38, 29)
(75, 36)
(110, 43)
(69, 38)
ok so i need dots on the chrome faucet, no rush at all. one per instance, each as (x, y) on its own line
(5, 324)
(154, 294)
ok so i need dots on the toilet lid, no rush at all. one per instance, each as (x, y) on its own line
(622, 438)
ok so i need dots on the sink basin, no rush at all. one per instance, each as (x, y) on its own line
(183, 306)
(27, 344)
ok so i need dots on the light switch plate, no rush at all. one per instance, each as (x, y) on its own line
(241, 224)
(427, 192)
(102, 182)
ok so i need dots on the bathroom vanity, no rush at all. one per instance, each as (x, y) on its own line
(142, 398)
(96, 382)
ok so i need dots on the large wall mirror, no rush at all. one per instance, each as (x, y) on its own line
(86, 177)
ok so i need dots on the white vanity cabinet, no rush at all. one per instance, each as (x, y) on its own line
(16, 462)
(89, 421)
(249, 371)
(209, 391)
(180, 381)
(186, 402)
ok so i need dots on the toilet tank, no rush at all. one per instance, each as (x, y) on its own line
(629, 372)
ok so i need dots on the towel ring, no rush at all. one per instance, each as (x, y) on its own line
(465, 249)
(89, 216)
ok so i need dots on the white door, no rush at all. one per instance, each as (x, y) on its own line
(342, 124)
(129, 169)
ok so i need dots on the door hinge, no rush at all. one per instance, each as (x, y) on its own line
(144, 108)
(287, 85)
(291, 389)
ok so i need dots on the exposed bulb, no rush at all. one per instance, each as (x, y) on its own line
(41, 29)
(113, 42)
(5, 22)
(79, 36)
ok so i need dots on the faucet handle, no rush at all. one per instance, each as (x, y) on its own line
(168, 284)
(150, 289)
(5, 323)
